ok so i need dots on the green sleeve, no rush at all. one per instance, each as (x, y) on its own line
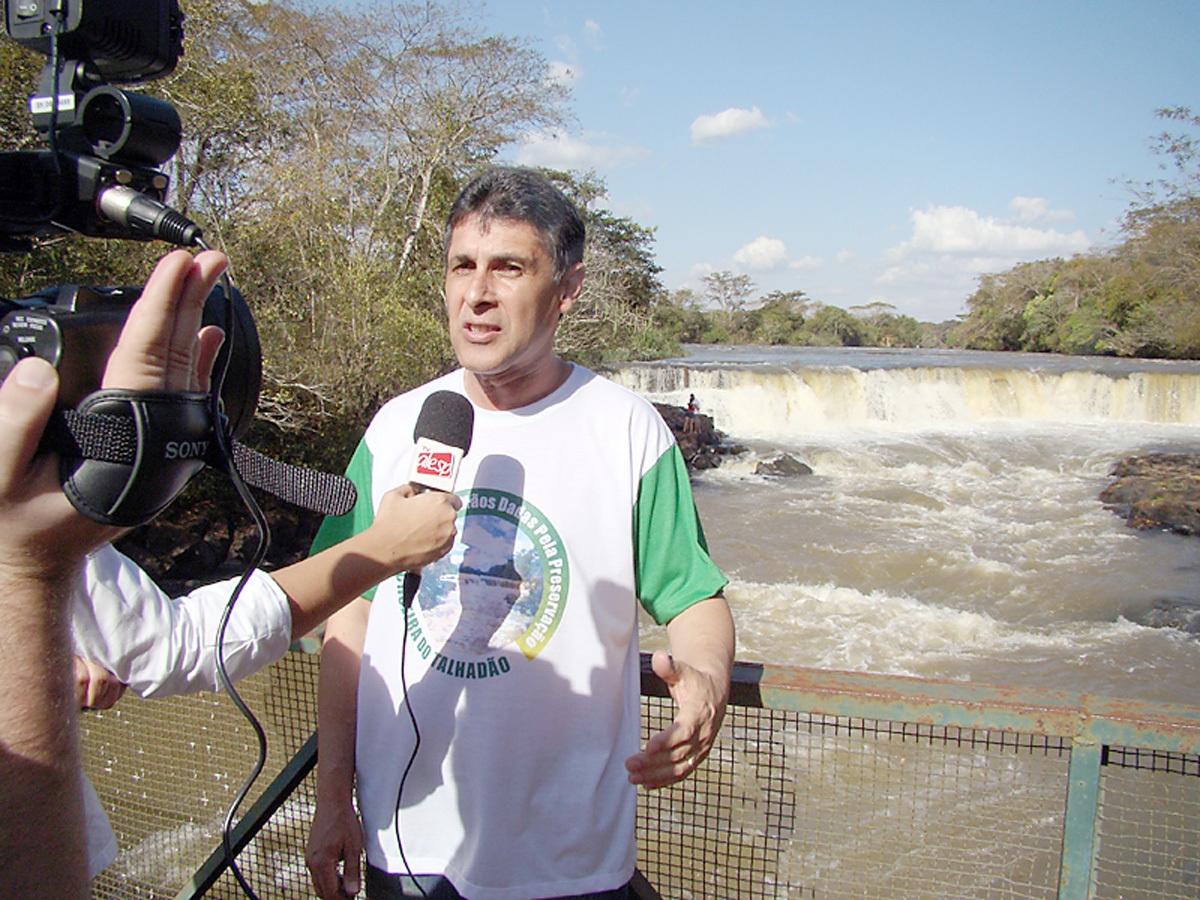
(673, 570)
(336, 529)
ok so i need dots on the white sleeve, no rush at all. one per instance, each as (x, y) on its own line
(160, 646)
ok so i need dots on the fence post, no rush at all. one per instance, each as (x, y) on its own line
(255, 818)
(1082, 811)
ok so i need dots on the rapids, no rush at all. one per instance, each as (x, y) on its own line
(952, 527)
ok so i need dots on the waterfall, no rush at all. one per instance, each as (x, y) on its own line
(772, 399)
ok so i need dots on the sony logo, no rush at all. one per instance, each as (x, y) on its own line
(185, 449)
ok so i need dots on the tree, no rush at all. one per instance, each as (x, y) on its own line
(1138, 298)
(833, 325)
(678, 315)
(779, 319)
(728, 293)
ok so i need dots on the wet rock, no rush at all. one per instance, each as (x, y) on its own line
(1157, 491)
(785, 465)
(1182, 615)
(702, 445)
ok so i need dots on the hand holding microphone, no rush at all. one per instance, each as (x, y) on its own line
(442, 436)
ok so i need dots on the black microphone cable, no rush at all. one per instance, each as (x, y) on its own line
(224, 441)
(412, 758)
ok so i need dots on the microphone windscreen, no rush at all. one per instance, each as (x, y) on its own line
(442, 437)
(447, 418)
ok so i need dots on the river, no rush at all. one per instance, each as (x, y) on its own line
(951, 528)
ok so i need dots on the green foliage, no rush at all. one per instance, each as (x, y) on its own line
(18, 74)
(780, 318)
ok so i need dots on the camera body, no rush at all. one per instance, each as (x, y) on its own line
(75, 328)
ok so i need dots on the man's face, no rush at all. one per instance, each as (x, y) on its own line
(503, 300)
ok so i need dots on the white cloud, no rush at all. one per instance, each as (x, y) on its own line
(807, 263)
(732, 122)
(960, 231)
(762, 254)
(563, 73)
(594, 33)
(938, 267)
(1032, 210)
(566, 46)
(557, 150)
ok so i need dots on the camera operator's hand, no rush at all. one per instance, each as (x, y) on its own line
(162, 346)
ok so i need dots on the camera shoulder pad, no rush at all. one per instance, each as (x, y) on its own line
(153, 443)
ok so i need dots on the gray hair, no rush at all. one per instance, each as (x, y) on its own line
(524, 195)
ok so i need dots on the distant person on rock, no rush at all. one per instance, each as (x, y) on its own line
(691, 424)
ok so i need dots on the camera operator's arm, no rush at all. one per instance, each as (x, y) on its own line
(42, 544)
(41, 814)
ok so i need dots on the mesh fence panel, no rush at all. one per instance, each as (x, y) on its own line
(788, 805)
(807, 806)
(1149, 816)
(168, 770)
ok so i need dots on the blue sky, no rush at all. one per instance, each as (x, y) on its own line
(862, 151)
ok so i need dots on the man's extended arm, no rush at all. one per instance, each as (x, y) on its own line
(697, 672)
(410, 530)
(336, 834)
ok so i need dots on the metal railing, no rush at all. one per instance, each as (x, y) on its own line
(822, 785)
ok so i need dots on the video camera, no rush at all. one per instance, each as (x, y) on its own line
(99, 178)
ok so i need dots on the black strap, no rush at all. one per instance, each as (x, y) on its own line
(114, 439)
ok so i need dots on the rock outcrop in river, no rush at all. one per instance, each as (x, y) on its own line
(1157, 491)
(701, 444)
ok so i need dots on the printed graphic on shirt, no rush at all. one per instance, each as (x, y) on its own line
(503, 584)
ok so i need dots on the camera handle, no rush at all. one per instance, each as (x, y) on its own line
(125, 455)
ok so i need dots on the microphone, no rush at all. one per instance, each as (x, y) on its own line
(442, 436)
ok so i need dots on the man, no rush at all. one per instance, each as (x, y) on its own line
(42, 545)
(498, 719)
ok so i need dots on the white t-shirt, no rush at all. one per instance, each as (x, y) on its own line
(522, 664)
(161, 646)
